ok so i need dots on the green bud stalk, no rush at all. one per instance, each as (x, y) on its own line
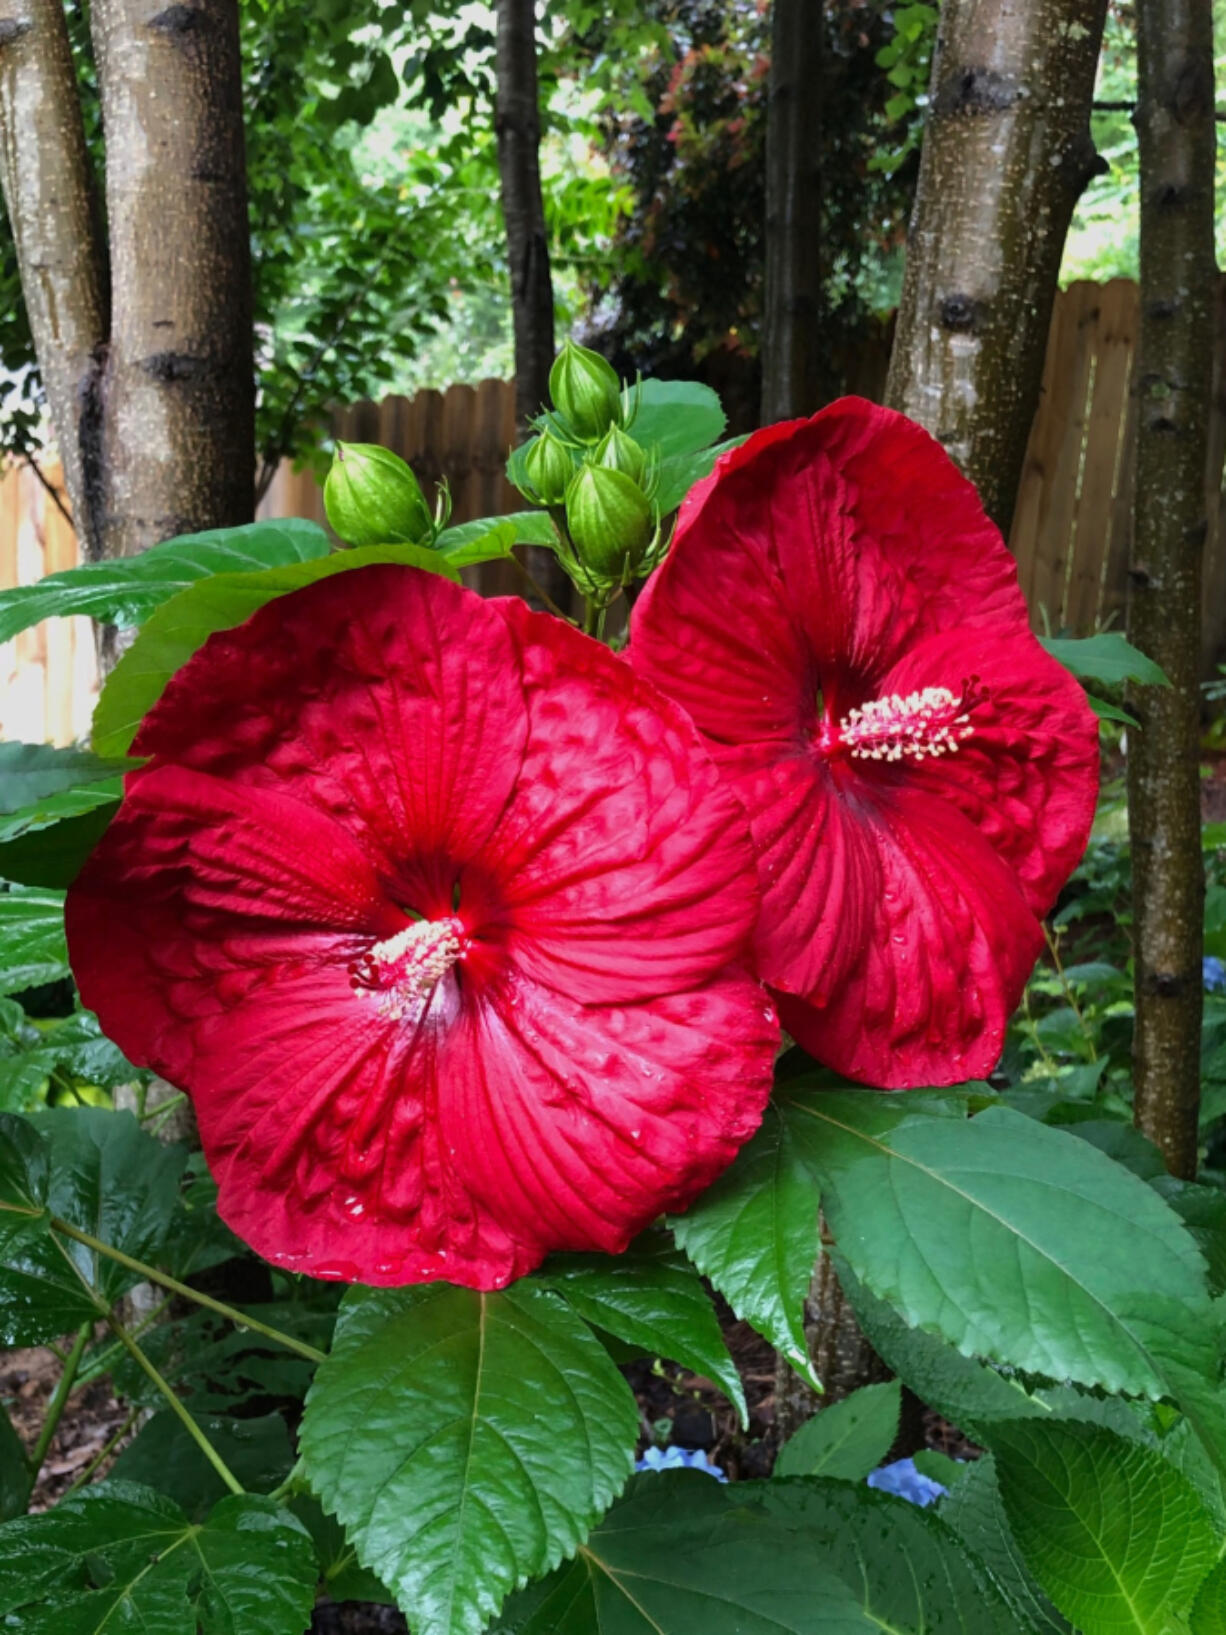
(610, 521)
(372, 498)
(586, 391)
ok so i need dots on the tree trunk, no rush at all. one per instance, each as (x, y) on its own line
(177, 389)
(1175, 126)
(791, 328)
(51, 206)
(517, 122)
(1007, 152)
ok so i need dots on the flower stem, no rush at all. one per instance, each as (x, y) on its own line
(155, 1117)
(537, 589)
(101, 1364)
(152, 1275)
(189, 1424)
(60, 1395)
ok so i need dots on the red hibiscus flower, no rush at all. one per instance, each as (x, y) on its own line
(434, 908)
(845, 628)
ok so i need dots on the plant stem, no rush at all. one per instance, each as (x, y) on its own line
(101, 1364)
(189, 1424)
(80, 1480)
(59, 1398)
(154, 1117)
(537, 589)
(152, 1275)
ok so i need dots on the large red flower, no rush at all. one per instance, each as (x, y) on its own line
(435, 909)
(844, 626)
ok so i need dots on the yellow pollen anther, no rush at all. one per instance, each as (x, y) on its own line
(930, 722)
(402, 973)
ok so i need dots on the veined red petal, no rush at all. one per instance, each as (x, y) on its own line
(943, 966)
(390, 698)
(624, 864)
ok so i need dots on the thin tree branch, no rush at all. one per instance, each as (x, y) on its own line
(52, 492)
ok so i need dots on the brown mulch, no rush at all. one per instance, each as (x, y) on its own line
(93, 1416)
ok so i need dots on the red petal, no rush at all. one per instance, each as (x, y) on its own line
(947, 955)
(585, 1122)
(1027, 778)
(623, 864)
(388, 697)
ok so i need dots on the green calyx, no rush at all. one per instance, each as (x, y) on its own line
(586, 391)
(610, 521)
(372, 498)
(549, 468)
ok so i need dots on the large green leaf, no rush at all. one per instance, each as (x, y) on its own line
(974, 1510)
(653, 1299)
(847, 1439)
(1115, 1535)
(78, 1045)
(126, 591)
(755, 1235)
(1106, 657)
(677, 417)
(681, 1555)
(182, 626)
(166, 1457)
(490, 538)
(118, 1557)
(466, 1442)
(41, 850)
(32, 947)
(1012, 1239)
(1209, 1608)
(679, 473)
(33, 775)
(108, 1178)
(910, 1572)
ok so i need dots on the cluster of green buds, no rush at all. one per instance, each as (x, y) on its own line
(587, 468)
(371, 497)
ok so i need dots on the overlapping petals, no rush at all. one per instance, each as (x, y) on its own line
(440, 915)
(844, 625)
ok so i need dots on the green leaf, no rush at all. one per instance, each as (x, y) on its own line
(186, 621)
(78, 1045)
(49, 851)
(848, 1439)
(344, 1579)
(164, 1456)
(491, 537)
(110, 1179)
(910, 1572)
(1209, 1608)
(25, 1165)
(754, 1234)
(1203, 1211)
(653, 1299)
(117, 1557)
(682, 1555)
(465, 1441)
(677, 417)
(126, 591)
(973, 1508)
(1107, 658)
(1111, 712)
(16, 1477)
(33, 774)
(1115, 1535)
(1014, 1240)
(32, 947)
(679, 473)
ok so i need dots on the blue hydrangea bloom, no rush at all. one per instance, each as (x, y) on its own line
(903, 1479)
(679, 1459)
(1214, 973)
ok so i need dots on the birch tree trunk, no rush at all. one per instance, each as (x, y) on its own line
(1175, 126)
(792, 327)
(177, 391)
(48, 192)
(1007, 152)
(517, 124)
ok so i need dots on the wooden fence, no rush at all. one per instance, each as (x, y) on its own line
(1071, 531)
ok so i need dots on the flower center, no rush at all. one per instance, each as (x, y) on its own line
(401, 974)
(933, 721)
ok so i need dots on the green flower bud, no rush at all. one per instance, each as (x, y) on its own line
(585, 390)
(549, 468)
(619, 451)
(610, 521)
(372, 498)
